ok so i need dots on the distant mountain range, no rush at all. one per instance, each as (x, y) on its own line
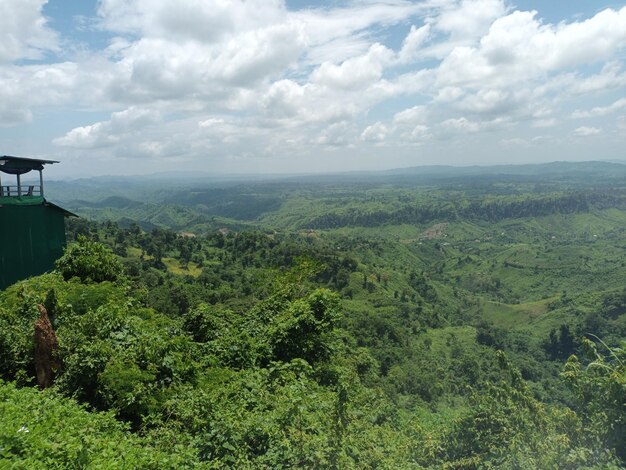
(178, 201)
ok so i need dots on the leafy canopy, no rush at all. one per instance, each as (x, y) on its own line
(90, 261)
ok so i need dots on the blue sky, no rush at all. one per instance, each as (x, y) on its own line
(226, 86)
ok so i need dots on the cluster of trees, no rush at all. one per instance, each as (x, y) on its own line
(258, 362)
(491, 210)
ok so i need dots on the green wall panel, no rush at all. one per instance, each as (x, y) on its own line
(32, 238)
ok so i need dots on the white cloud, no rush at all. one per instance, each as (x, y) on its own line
(24, 33)
(459, 126)
(337, 34)
(469, 19)
(600, 110)
(518, 47)
(543, 123)
(244, 78)
(520, 37)
(449, 94)
(25, 87)
(413, 42)
(515, 142)
(290, 104)
(488, 101)
(589, 41)
(354, 73)
(585, 131)
(123, 126)
(203, 21)
(377, 132)
(419, 133)
(154, 69)
(211, 122)
(336, 135)
(416, 114)
(610, 77)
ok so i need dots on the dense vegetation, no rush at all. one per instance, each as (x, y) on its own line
(460, 322)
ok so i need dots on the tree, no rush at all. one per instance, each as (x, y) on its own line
(302, 329)
(600, 389)
(90, 262)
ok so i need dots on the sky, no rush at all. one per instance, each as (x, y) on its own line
(124, 87)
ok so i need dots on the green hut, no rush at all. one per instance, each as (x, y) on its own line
(32, 230)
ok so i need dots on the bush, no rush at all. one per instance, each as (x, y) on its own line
(90, 262)
(45, 430)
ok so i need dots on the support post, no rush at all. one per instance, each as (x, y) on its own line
(40, 183)
(19, 186)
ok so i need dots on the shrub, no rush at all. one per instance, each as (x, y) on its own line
(90, 262)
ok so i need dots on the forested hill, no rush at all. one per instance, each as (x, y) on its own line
(469, 322)
(572, 174)
(491, 210)
(354, 198)
(554, 171)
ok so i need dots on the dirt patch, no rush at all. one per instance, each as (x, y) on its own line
(309, 233)
(436, 231)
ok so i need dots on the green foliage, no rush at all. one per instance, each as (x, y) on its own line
(223, 334)
(600, 390)
(304, 329)
(124, 357)
(231, 349)
(90, 262)
(18, 312)
(280, 417)
(40, 430)
(507, 427)
(116, 353)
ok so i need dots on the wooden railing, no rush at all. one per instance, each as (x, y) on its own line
(22, 190)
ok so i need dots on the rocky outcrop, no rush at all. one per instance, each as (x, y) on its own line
(47, 362)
